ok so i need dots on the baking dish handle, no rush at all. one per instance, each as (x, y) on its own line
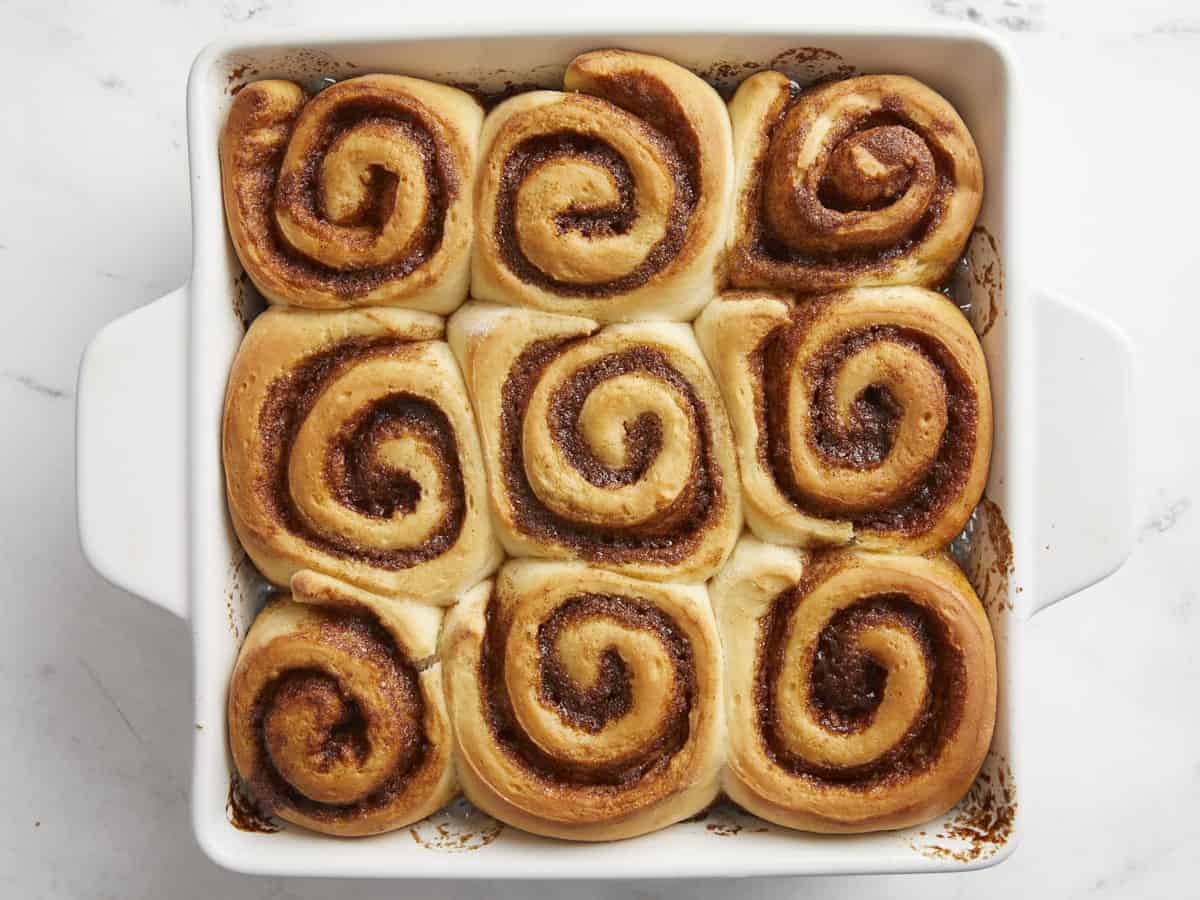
(1084, 479)
(130, 449)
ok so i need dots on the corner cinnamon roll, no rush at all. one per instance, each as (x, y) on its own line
(608, 445)
(867, 181)
(337, 717)
(609, 200)
(349, 448)
(861, 687)
(357, 196)
(860, 416)
(587, 705)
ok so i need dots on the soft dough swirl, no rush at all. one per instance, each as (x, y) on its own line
(861, 687)
(608, 445)
(358, 196)
(349, 448)
(337, 717)
(610, 200)
(864, 415)
(587, 705)
(867, 181)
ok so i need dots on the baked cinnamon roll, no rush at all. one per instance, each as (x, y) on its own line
(861, 687)
(609, 200)
(608, 445)
(337, 717)
(860, 416)
(357, 196)
(587, 705)
(868, 181)
(350, 448)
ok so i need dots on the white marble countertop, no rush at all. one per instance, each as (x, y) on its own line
(95, 718)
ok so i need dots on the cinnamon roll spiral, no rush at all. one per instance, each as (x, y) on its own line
(358, 196)
(337, 717)
(349, 448)
(607, 445)
(607, 201)
(861, 687)
(864, 415)
(587, 705)
(868, 181)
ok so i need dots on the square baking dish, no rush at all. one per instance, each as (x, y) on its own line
(152, 511)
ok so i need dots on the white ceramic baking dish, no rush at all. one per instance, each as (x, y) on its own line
(152, 513)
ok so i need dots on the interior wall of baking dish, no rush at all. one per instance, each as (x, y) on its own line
(975, 76)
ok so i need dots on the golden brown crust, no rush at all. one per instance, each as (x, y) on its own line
(609, 200)
(588, 705)
(359, 196)
(861, 687)
(337, 716)
(859, 416)
(867, 181)
(349, 448)
(608, 445)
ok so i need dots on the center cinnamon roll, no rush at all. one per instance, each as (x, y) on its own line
(608, 445)
(587, 703)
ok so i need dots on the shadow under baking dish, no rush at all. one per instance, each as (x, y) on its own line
(461, 841)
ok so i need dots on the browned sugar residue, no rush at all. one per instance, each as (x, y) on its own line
(457, 828)
(246, 300)
(729, 820)
(809, 65)
(984, 277)
(817, 62)
(244, 813)
(490, 98)
(238, 77)
(731, 829)
(983, 822)
(723, 829)
(984, 551)
(234, 592)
